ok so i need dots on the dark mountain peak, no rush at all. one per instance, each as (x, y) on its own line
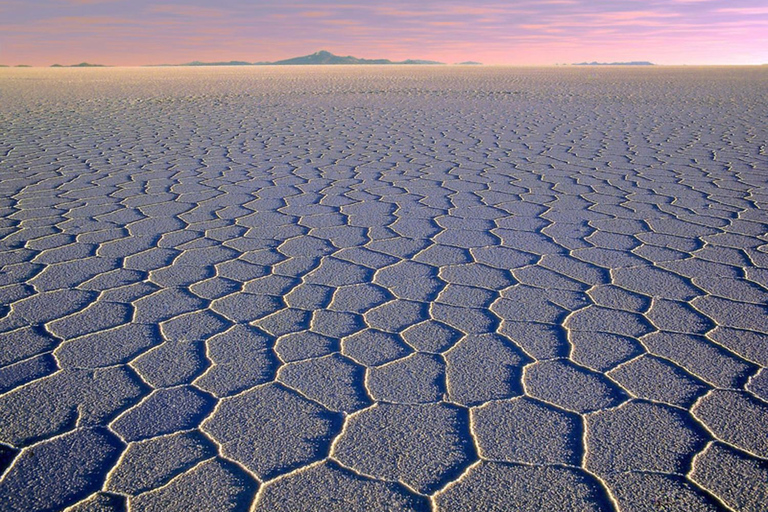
(81, 65)
(319, 58)
(324, 57)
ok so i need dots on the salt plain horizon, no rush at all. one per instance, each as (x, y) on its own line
(224, 64)
(384, 288)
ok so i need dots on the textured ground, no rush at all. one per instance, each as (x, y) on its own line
(384, 289)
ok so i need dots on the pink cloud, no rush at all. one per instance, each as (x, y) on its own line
(314, 14)
(89, 2)
(188, 11)
(344, 23)
(749, 11)
(635, 15)
(475, 11)
(445, 23)
(402, 13)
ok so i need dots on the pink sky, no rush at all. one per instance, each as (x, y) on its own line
(136, 32)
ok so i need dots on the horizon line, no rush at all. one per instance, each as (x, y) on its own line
(441, 64)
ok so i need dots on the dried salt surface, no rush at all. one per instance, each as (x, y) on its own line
(383, 289)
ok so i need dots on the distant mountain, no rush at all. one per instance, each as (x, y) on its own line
(81, 65)
(469, 63)
(323, 58)
(230, 63)
(633, 63)
(421, 62)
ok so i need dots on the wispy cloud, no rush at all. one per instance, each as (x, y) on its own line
(314, 14)
(749, 11)
(187, 11)
(634, 15)
(89, 2)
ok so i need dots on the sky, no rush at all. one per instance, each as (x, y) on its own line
(525, 32)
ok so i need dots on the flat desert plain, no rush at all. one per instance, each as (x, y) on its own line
(384, 288)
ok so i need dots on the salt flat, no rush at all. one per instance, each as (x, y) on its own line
(384, 288)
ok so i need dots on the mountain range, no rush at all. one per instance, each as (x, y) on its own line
(633, 63)
(321, 58)
(81, 65)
